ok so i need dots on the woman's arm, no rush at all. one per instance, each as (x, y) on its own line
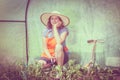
(59, 38)
(45, 48)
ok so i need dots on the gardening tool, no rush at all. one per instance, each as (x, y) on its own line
(93, 57)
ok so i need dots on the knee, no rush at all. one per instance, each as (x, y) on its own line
(59, 47)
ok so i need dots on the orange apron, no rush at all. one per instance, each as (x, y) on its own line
(51, 43)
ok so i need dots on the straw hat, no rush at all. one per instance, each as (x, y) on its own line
(45, 16)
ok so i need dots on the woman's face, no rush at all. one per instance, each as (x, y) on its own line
(55, 20)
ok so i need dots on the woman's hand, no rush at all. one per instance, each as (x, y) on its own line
(58, 24)
(53, 60)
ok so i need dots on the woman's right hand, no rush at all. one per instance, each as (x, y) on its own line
(53, 60)
(57, 24)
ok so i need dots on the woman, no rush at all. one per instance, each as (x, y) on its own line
(54, 37)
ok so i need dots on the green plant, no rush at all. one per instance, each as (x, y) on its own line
(70, 71)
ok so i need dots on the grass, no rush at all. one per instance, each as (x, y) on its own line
(71, 71)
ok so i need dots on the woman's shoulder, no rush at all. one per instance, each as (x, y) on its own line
(46, 31)
(65, 29)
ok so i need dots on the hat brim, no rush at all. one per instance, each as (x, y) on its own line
(45, 16)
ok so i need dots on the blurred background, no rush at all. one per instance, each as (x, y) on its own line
(89, 20)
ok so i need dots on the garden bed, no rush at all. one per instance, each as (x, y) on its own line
(71, 71)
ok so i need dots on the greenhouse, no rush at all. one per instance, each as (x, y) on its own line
(94, 33)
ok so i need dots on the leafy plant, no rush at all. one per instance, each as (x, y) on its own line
(70, 71)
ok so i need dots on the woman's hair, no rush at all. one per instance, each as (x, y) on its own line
(49, 25)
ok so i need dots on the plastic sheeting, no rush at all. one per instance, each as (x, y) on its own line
(12, 34)
(12, 9)
(90, 19)
(12, 42)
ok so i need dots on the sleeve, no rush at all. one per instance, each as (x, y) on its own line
(44, 33)
(64, 30)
